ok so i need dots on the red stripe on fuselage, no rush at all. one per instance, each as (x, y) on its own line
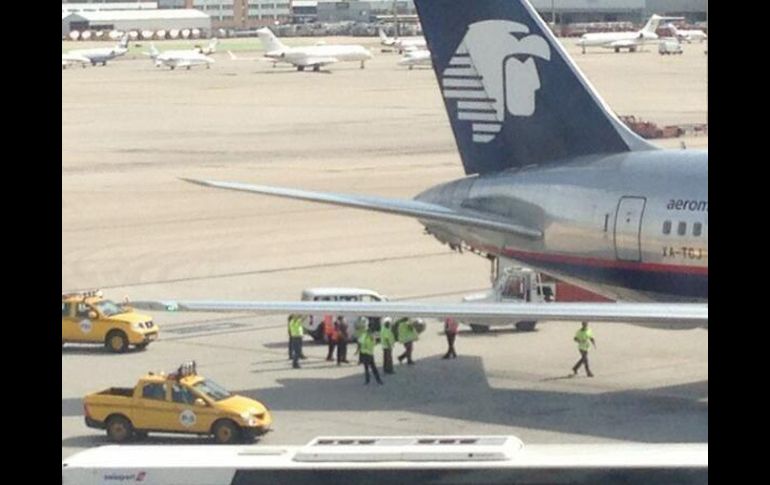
(599, 263)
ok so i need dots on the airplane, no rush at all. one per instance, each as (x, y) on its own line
(70, 58)
(402, 43)
(415, 57)
(624, 40)
(101, 55)
(314, 56)
(687, 35)
(183, 58)
(554, 180)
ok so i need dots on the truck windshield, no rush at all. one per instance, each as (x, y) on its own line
(109, 308)
(212, 390)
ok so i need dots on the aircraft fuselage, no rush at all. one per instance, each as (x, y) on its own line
(630, 226)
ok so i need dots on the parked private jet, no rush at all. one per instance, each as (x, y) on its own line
(687, 35)
(184, 58)
(624, 40)
(554, 180)
(99, 55)
(402, 44)
(314, 56)
(415, 57)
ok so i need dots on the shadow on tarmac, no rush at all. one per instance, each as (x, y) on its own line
(459, 389)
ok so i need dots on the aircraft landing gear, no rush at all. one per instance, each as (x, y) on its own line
(300, 68)
(316, 68)
(188, 67)
(362, 64)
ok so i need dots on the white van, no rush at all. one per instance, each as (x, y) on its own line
(669, 47)
(314, 326)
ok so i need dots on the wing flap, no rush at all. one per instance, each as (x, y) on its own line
(405, 207)
(686, 315)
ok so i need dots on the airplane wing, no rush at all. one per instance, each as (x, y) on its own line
(685, 315)
(315, 61)
(405, 207)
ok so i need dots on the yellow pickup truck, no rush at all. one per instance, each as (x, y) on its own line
(181, 402)
(87, 317)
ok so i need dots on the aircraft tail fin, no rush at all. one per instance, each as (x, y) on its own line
(652, 25)
(124, 41)
(269, 41)
(513, 95)
(212, 47)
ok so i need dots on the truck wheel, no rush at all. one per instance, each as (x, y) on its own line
(116, 341)
(142, 435)
(526, 326)
(226, 432)
(119, 429)
(476, 328)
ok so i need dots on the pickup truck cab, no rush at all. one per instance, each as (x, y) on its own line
(87, 317)
(513, 285)
(181, 402)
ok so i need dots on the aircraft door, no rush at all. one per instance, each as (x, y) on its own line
(628, 226)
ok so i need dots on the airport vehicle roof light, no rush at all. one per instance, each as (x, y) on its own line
(188, 368)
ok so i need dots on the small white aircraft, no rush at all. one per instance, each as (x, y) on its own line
(98, 55)
(402, 44)
(687, 35)
(314, 56)
(415, 57)
(184, 58)
(624, 40)
(70, 59)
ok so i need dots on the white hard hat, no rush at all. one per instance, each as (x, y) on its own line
(387, 320)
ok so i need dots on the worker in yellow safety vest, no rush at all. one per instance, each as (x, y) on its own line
(366, 344)
(583, 337)
(406, 335)
(295, 339)
(387, 339)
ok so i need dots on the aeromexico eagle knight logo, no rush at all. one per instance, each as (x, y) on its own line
(493, 71)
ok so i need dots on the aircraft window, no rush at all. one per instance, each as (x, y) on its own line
(181, 394)
(667, 227)
(697, 228)
(682, 229)
(154, 391)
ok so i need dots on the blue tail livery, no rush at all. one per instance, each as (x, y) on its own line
(513, 96)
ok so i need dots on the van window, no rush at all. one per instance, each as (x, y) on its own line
(369, 298)
(350, 298)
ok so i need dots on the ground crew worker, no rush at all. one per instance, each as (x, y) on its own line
(362, 325)
(451, 327)
(387, 339)
(295, 339)
(330, 332)
(406, 335)
(582, 337)
(342, 340)
(366, 348)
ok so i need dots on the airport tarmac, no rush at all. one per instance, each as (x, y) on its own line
(133, 228)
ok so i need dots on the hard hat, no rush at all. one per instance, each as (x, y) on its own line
(419, 321)
(387, 320)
